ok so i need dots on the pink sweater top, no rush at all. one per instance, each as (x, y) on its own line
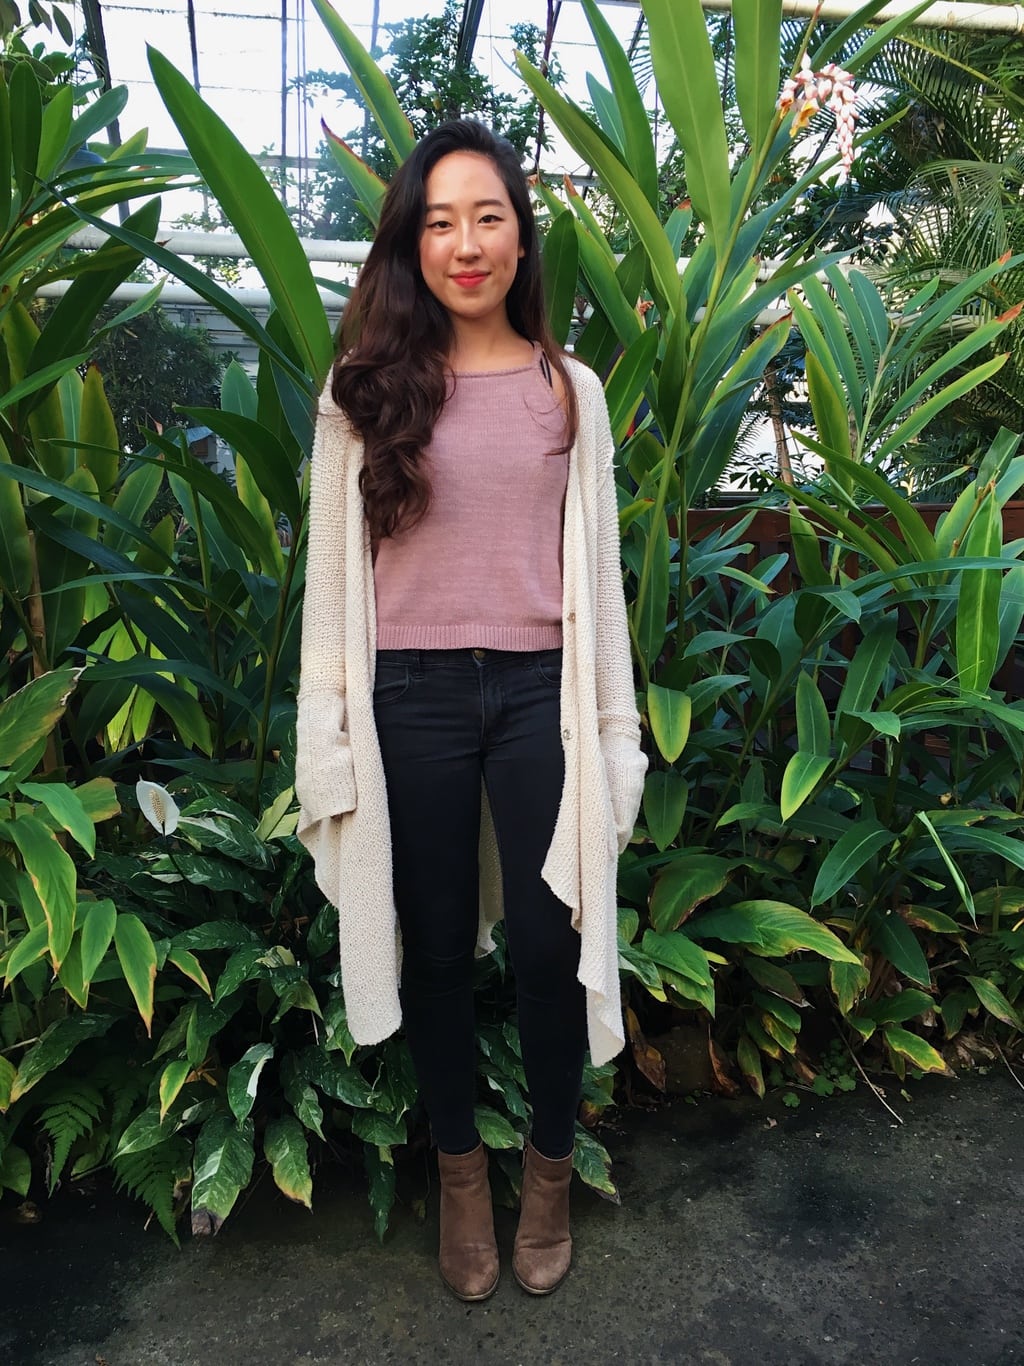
(483, 569)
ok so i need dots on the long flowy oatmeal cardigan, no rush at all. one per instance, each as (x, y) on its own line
(339, 777)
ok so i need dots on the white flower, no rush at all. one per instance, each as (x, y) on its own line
(158, 806)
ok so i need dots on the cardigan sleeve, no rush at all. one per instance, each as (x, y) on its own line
(618, 722)
(324, 771)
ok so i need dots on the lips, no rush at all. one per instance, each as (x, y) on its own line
(467, 279)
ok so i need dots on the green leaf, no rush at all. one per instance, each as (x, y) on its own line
(55, 1046)
(757, 25)
(8, 1072)
(680, 954)
(97, 919)
(65, 808)
(254, 211)
(905, 1005)
(172, 1079)
(921, 1054)
(749, 1058)
(262, 451)
(592, 1162)
(665, 794)
(379, 1130)
(848, 856)
(954, 871)
(669, 713)
(15, 1170)
(244, 1077)
(650, 614)
(188, 964)
(372, 84)
(380, 1171)
(891, 933)
(802, 774)
(637, 143)
(996, 1003)
(53, 877)
(367, 184)
(32, 712)
(561, 262)
(287, 1151)
(977, 612)
(624, 387)
(587, 140)
(688, 85)
(494, 1129)
(772, 929)
(814, 732)
(686, 881)
(137, 955)
(28, 950)
(222, 1166)
(15, 547)
(849, 981)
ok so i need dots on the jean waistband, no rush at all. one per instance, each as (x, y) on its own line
(421, 659)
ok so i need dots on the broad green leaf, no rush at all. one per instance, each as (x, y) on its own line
(287, 1151)
(15, 547)
(222, 1165)
(688, 86)
(650, 614)
(905, 1005)
(561, 262)
(188, 964)
(772, 929)
(848, 856)
(592, 1163)
(868, 667)
(28, 950)
(137, 955)
(911, 1046)
(8, 1072)
(686, 882)
(494, 1129)
(53, 877)
(977, 612)
(665, 794)
(254, 211)
(15, 1170)
(66, 809)
(244, 1076)
(954, 871)
(264, 454)
(379, 1130)
(996, 1003)
(336, 1079)
(98, 430)
(669, 713)
(757, 25)
(624, 387)
(849, 981)
(133, 500)
(32, 712)
(680, 954)
(55, 1046)
(172, 1079)
(891, 933)
(97, 919)
(369, 188)
(802, 774)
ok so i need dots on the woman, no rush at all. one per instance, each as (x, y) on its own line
(466, 684)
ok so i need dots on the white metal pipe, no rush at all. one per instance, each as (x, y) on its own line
(182, 295)
(228, 244)
(966, 18)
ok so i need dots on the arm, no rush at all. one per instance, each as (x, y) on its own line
(618, 722)
(324, 773)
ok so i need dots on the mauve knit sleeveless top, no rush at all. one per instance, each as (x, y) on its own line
(483, 569)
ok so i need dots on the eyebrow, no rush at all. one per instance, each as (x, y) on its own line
(480, 204)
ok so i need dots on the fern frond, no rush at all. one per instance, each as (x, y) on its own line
(153, 1174)
(72, 1110)
(125, 1087)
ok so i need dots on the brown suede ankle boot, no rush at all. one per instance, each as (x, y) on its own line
(543, 1247)
(469, 1255)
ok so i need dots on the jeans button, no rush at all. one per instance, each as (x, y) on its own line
(479, 654)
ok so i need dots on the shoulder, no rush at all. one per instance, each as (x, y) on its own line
(588, 389)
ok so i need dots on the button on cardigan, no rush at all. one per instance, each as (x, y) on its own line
(339, 777)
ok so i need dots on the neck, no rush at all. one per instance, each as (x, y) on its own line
(487, 348)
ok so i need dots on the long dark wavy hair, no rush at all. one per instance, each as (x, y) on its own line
(390, 375)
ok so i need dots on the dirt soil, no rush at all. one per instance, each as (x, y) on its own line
(748, 1235)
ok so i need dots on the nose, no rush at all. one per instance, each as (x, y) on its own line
(466, 242)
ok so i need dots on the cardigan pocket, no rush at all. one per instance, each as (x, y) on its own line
(625, 764)
(325, 781)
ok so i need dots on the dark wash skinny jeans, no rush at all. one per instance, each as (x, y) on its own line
(446, 719)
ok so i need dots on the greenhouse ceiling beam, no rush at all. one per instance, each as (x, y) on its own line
(469, 27)
(964, 17)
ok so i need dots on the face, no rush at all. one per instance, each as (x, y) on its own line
(469, 244)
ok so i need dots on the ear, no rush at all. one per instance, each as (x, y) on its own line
(521, 253)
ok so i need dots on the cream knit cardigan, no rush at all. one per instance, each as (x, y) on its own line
(339, 777)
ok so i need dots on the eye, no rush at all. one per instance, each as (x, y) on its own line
(439, 223)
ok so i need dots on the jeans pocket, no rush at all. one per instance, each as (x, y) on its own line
(548, 666)
(391, 682)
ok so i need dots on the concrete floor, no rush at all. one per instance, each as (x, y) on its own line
(832, 1235)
